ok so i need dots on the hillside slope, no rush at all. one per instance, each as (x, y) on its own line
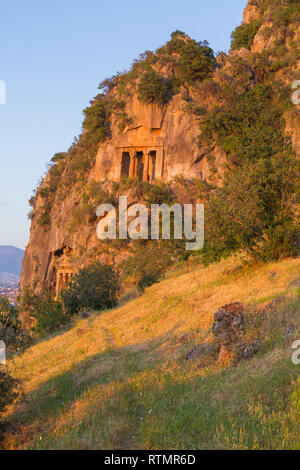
(120, 379)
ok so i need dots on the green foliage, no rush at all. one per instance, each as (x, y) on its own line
(248, 127)
(124, 121)
(49, 315)
(244, 34)
(148, 263)
(153, 88)
(8, 314)
(47, 312)
(160, 193)
(48, 190)
(178, 33)
(59, 157)
(196, 63)
(256, 209)
(95, 287)
(9, 389)
(11, 329)
(96, 121)
(93, 195)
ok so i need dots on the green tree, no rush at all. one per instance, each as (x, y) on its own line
(244, 34)
(96, 120)
(256, 208)
(8, 314)
(9, 389)
(256, 211)
(49, 314)
(196, 63)
(153, 88)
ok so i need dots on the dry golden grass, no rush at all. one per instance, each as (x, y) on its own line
(83, 391)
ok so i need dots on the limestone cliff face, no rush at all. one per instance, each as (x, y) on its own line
(158, 143)
(167, 133)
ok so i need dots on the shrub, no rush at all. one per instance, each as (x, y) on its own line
(9, 389)
(47, 312)
(8, 314)
(244, 34)
(153, 88)
(286, 13)
(158, 194)
(196, 63)
(96, 120)
(11, 330)
(256, 209)
(49, 315)
(178, 33)
(148, 263)
(95, 287)
(48, 191)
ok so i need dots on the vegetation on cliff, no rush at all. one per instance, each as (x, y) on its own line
(244, 34)
(241, 102)
(256, 207)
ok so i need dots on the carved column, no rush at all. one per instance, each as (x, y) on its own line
(146, 167)
(57, 285)
(131, 166)
(120, 153)
(150, 170)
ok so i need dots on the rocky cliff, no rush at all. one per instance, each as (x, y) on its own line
(145, 126)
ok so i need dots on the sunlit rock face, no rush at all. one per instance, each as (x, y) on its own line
(158, 144)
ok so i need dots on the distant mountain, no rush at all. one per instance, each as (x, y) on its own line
(11, 260)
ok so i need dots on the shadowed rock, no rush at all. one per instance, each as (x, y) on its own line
(229, 323)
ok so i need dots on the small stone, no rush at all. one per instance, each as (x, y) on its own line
(203, 349)
(245, 351)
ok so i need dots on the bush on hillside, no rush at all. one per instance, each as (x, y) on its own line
(48, 191)
(8, 314)
(148, 263)
(48, 313)
(153, 88)
(12, 332)
(256, 209)
(9, 389)
(95, 287)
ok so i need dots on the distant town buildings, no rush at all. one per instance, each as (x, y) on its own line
(9, 287)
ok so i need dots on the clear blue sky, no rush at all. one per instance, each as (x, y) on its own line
(53, 56)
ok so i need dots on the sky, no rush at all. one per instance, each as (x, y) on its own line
(53, 56)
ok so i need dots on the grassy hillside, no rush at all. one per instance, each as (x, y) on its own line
(120, 379)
